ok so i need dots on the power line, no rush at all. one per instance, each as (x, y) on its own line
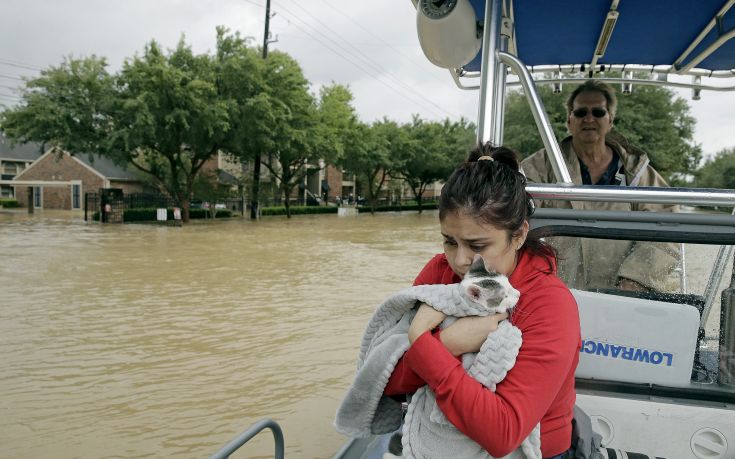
(370, 61)
(10, 87)
(356, 64)
(405, 87)
(10, 98)
(377, 37)
(20, 65)
(10, 77)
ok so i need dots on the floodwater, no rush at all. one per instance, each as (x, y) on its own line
(132, 341)
(144, 341)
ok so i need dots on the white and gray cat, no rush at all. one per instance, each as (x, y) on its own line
(488, 288)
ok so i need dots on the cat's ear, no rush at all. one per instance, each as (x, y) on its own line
(473, 291)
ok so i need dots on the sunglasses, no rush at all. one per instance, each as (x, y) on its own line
(597, 112)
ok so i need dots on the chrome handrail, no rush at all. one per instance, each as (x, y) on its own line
(252, 431)
(561, 171)
(486, 123)
(653, 195)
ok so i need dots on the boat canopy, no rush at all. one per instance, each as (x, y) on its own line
(573, 39)
(574, 33)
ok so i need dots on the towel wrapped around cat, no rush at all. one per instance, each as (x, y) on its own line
(426, 431)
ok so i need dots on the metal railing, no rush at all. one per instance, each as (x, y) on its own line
(652, 195)
(244, 437)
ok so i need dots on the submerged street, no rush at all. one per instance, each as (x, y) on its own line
(138, 340)
(147, 341)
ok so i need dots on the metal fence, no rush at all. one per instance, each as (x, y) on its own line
(93, 203)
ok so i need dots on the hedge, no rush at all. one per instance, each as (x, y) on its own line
(144, 215)
(298, 210)
(303, 210)
(8, 203)
(431, 205)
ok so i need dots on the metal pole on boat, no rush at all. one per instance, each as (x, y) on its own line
(718, 270)
(498, 114)
(726, 353)
(561, 171)
(486, 129)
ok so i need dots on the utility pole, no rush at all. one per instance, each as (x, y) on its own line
(254, 205)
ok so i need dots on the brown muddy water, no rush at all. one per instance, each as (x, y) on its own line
(132, 341)
(144, 341)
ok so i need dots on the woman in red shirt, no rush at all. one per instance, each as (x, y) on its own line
(484, 209)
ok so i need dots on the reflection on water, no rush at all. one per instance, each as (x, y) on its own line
(148, 341)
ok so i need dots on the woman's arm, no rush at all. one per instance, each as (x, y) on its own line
(468, 334)
(500, 421)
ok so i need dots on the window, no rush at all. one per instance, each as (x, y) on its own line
(10, 169)
(76, 196)
(37, 196)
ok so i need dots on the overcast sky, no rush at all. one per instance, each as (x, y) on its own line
(370, 46)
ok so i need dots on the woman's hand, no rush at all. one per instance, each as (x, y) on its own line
(427, 318)
(468, 333)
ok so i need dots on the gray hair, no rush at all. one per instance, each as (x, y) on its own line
(595, 86)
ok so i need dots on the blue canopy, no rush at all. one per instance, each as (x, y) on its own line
(647, 32)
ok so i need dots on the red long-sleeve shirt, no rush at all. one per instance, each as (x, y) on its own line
(539, 387)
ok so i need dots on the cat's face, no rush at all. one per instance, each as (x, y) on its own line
(491, 290)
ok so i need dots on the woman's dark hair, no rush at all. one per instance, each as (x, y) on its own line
(494, 192)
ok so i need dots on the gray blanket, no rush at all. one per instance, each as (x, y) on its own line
(426, 432)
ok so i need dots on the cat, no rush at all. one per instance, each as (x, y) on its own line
(489, 289)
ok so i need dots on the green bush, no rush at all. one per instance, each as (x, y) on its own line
(298, 210)
(430, 205)
(8, 203)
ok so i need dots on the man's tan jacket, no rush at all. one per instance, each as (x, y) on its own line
(596, 263)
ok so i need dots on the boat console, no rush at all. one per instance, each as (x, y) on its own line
(636, 340)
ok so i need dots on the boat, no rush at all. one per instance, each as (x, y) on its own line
(657, 369)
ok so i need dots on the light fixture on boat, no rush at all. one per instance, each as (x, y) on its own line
(627, 86)
(696, 91)
(448, 32)
(606, 33)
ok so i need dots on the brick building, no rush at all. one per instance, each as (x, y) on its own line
(59, 180)
(13, 160)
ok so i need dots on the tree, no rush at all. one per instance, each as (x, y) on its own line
(294, 110)
(241, 78)
(373, 153)
(718, 172)
(169, 118)
(66, 106)
(434, 150)
(651, 118)
(336, 120)
(210, 189)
